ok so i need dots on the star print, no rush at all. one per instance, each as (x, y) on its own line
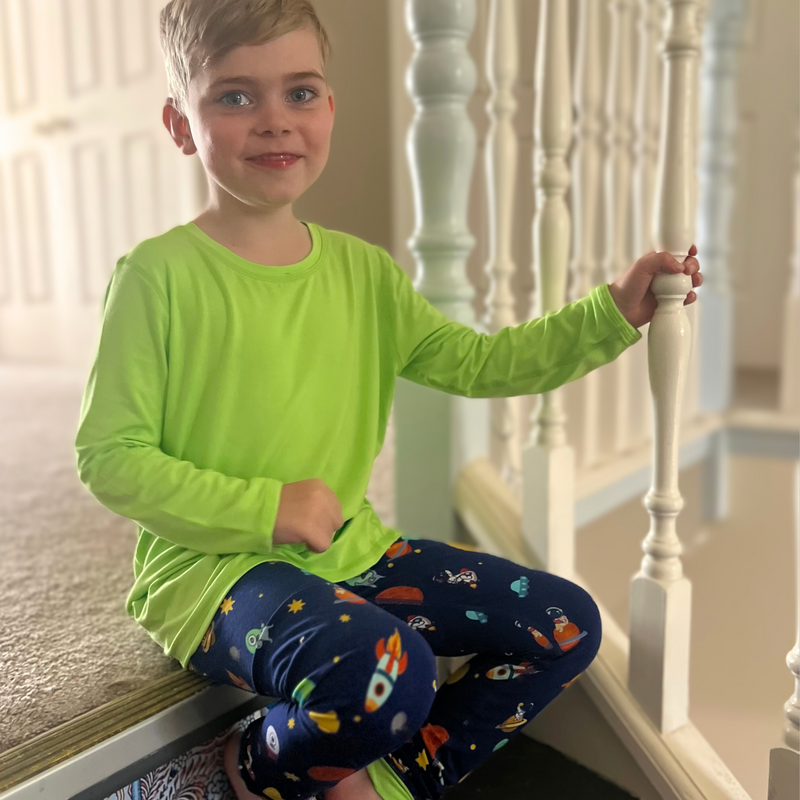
(422, 759)
(290, 723)
(227, 605)
(295, 606)
(345, 618)
(291, 777)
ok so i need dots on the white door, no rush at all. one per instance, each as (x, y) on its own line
(87, 169)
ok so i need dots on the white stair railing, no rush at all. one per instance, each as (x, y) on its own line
(615, 377)
(501, 170)
(660, 595)
(548, 462)
(648, 119)
(723, 39)
(437, 433)
(582, 396)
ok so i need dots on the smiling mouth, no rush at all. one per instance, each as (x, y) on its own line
(276, 157)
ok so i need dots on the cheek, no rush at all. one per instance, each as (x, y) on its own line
(319, 132)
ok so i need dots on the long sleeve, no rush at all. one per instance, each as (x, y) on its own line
(531, 358)
(118, 443)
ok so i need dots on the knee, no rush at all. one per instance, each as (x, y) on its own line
(383, 688)
(577, 624)
(401, 687)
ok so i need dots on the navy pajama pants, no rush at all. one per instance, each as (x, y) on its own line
(353, 664)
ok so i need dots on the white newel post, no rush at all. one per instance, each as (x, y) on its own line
(585, 267)
(660, 615)
(501, 170)
(548, 461)
(438, 433)
(722, 45)
(784, 761)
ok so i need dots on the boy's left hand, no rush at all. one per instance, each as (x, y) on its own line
(632, 292)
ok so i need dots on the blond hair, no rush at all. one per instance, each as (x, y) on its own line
(195, 33)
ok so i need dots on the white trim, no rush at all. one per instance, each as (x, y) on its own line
(134, 752)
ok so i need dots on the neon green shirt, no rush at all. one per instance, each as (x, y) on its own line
(217, 380)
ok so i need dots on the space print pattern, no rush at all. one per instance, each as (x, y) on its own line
(353, 664)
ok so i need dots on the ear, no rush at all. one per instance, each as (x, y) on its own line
(330, 101)
(178, 127)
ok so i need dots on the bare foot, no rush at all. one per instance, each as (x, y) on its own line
(229, 762)
(357, 786)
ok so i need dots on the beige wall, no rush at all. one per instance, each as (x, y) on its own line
(354, 191)
(762, 234)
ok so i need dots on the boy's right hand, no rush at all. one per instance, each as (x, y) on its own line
(309, 512)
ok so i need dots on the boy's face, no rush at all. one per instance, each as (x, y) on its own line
(272, 112)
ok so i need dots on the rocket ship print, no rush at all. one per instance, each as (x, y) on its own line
(273, 745)
(505, 672)
(391, 663)
(541, 638)
(566, 633)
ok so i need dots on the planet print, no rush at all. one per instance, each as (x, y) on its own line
(408, 595)
(398, 549)
(329, 773)
(346, 597)
(434, 737)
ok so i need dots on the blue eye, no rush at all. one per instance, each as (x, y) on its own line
(228, 94)
(308, 90)
(313, 94)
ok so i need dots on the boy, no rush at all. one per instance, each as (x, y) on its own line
(240, 393)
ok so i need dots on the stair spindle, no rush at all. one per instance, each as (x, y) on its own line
(501, 169)
(548, 498)
(658, 675)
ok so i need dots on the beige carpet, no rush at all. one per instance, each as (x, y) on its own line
(66, 644)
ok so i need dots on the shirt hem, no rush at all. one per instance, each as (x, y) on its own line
(386, 781)
(334, 575)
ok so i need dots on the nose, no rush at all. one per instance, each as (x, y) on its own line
(274, 118)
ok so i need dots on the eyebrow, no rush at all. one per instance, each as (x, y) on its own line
(292, 76)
